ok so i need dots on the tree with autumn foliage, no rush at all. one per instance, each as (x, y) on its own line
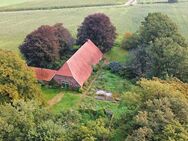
(157, 112)
(99, 29)
(23, 121)
(17, 80)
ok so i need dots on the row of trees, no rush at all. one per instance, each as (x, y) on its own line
(49, 46)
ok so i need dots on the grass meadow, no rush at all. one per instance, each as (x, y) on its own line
(35, 4)
(14, 26)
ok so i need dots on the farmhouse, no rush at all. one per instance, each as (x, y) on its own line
(76, 71)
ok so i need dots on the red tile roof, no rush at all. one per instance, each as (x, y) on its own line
(44, 74)
(79, 66)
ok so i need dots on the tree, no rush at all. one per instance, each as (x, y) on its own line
(65, 39)
(28, 121)
(157, 112)
(46, 45)
(16, 79)
(161, 51)
(91, 131)
(168, 59)
(130, 41)
(158, 25)
(99, 29)
(41, 47)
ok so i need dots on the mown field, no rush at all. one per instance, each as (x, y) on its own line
(34, 4)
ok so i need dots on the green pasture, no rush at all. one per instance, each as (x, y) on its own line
(14, 26)
(40, 4)
(11, 2)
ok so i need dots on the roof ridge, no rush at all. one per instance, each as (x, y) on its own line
(69, 68)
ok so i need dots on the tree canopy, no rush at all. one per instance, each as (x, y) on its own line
(17, 80)
(158, 112)
(99, 29)
(46, 45)
(160, 50)
(29, 121)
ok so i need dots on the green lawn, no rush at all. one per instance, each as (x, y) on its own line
(69, 101)
(49, 93)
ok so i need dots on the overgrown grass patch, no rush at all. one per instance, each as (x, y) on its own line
(111, 82)
(108, 106)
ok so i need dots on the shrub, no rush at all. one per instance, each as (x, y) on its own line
(115, 67)
(130, 41)
(99, 29)
(65, 39)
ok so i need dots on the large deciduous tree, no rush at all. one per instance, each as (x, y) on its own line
(99, 29)
(161, 51)
(41, 47)
(158, 112)
(28, 121)
(65, 39)
(46, 45)
(16, 79)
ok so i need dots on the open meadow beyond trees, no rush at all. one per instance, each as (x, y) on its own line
(15, 25)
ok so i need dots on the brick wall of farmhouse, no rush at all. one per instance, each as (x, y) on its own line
(61, 80)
